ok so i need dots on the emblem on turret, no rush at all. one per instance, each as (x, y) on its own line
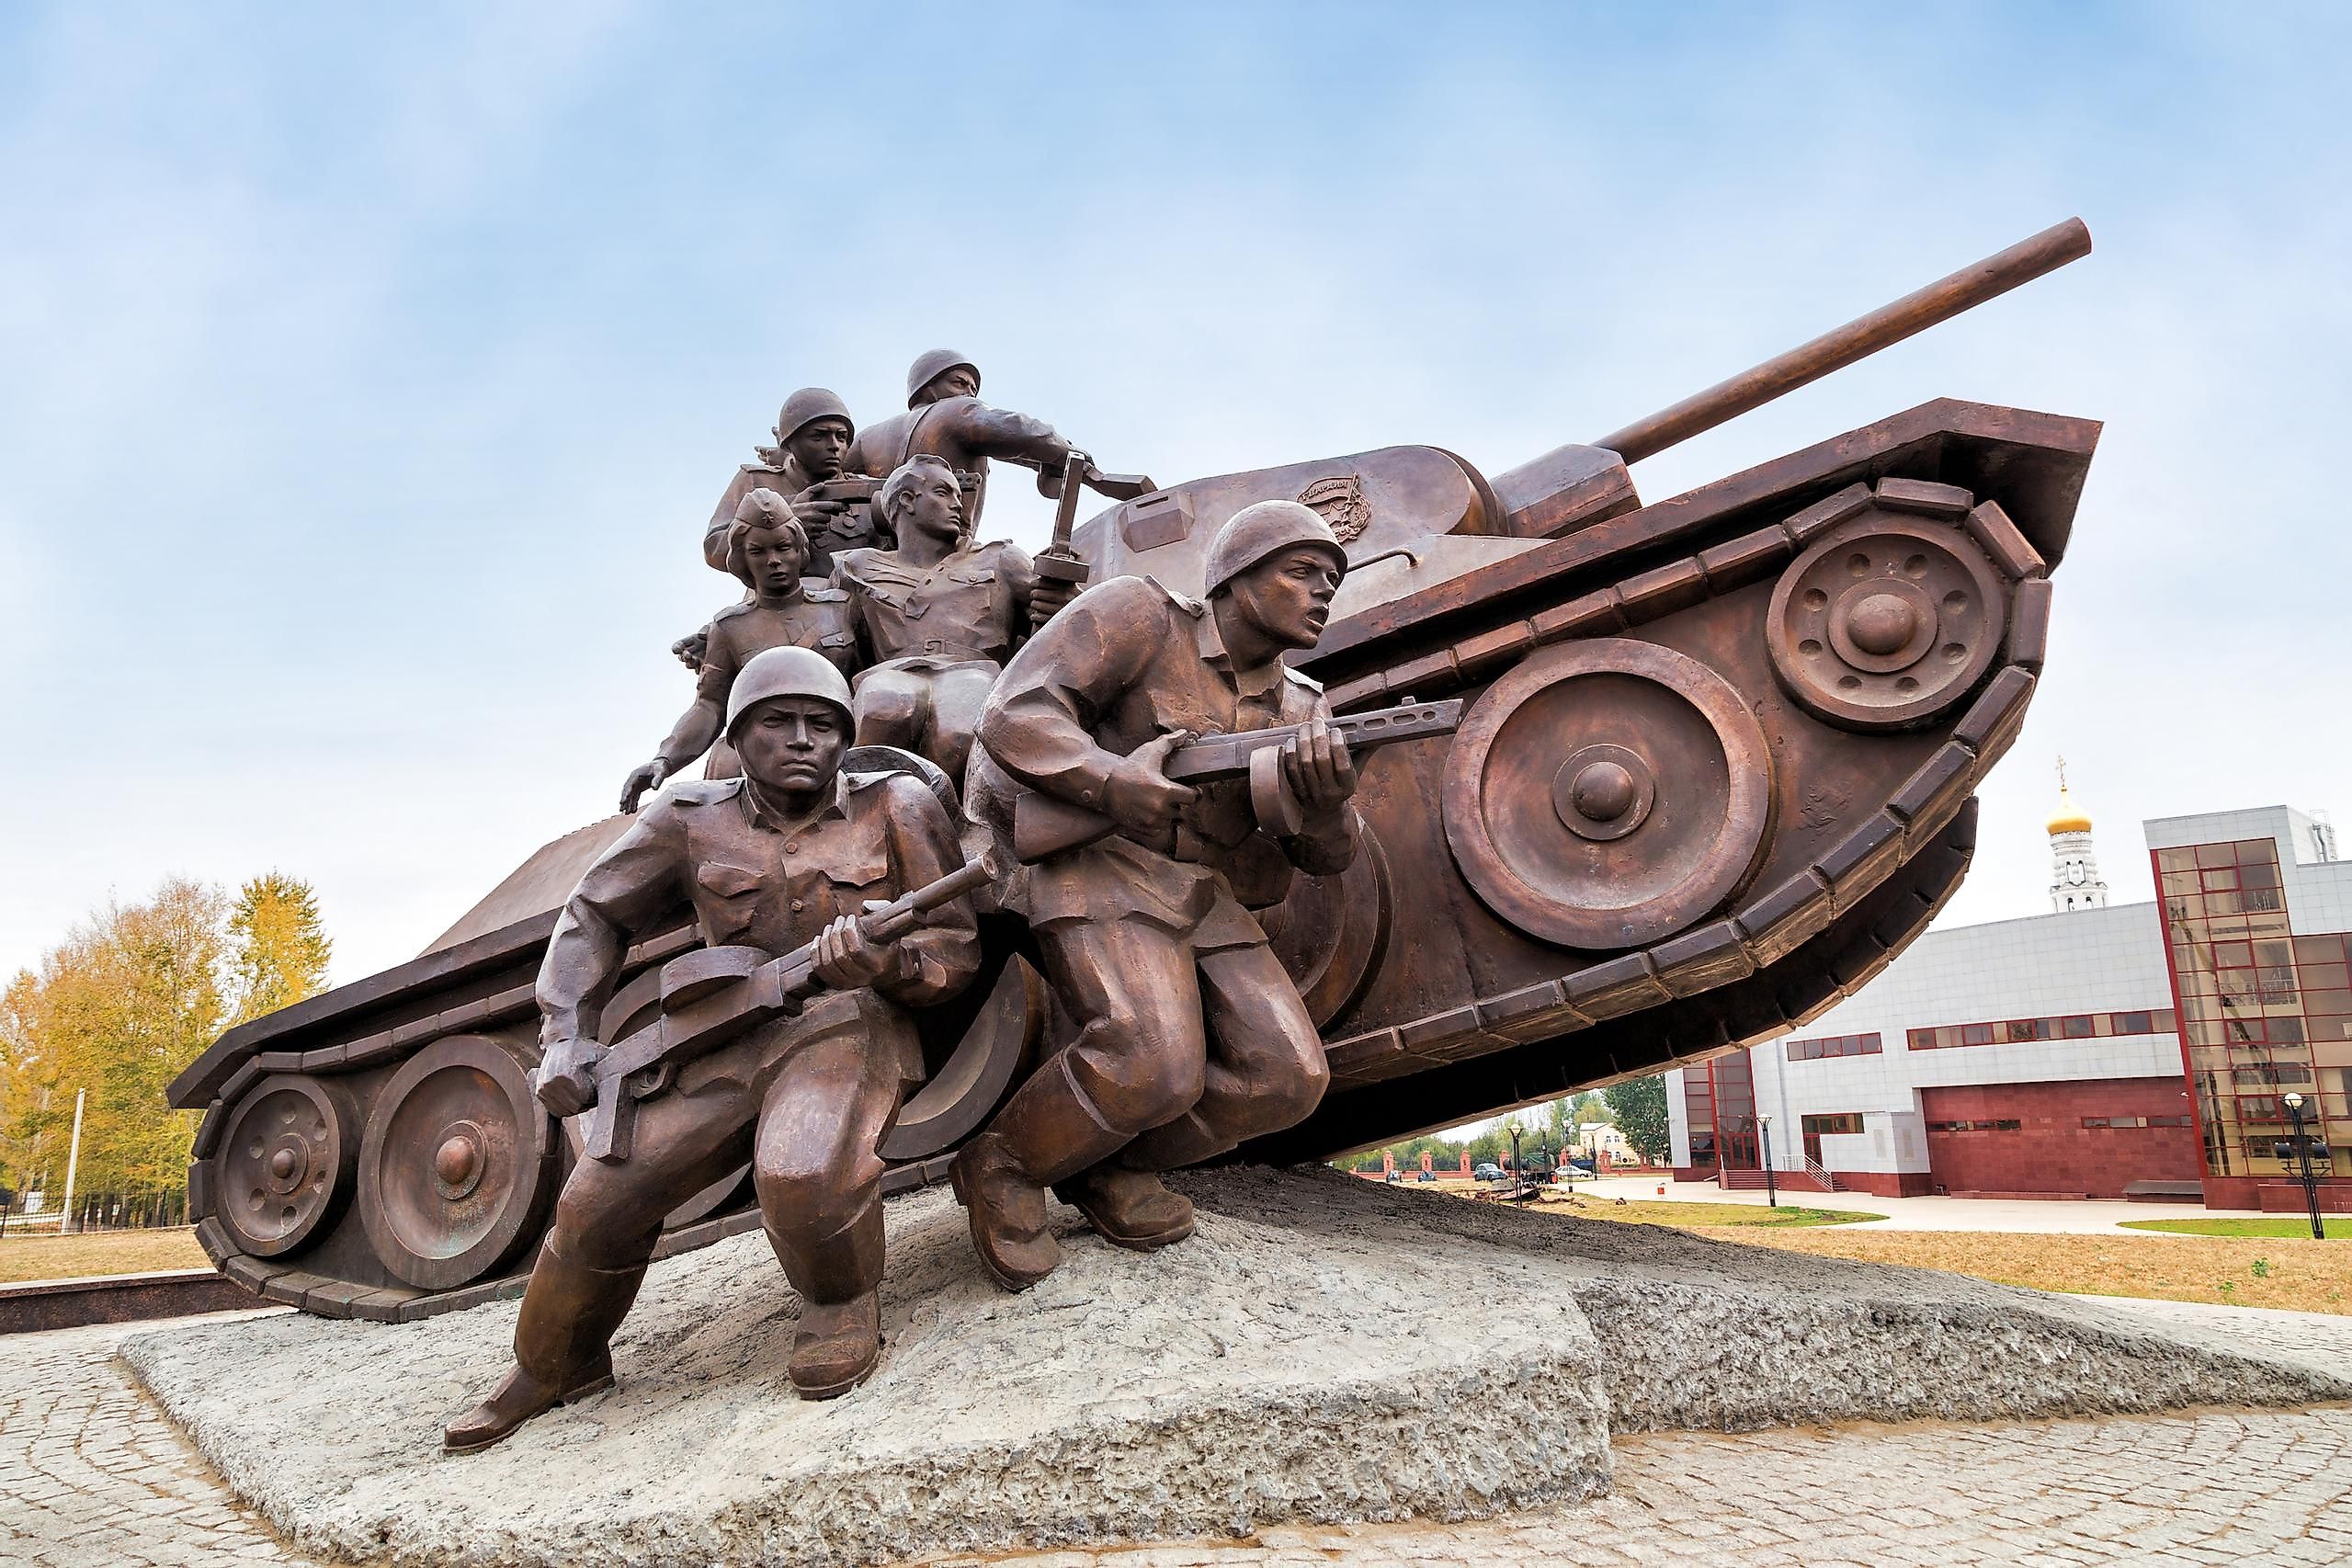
(1339, 500)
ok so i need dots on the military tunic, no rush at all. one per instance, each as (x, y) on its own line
(817, 618)
(972, 606)
(1128, 661)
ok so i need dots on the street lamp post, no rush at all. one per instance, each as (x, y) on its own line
(1763, 1133)
(2302, 1144)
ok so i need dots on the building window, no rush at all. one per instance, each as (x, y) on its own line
(1833, 1045)
(1826, 1126)
(2068, 1025)
(2004, 1125)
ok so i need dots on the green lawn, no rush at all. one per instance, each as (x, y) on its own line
(2338, 1226)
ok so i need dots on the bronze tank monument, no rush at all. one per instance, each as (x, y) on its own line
(1623, 785)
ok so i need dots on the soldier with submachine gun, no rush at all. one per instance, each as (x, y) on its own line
(1191, 1037)
(796, 1065)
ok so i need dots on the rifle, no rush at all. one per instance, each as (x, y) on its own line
(1046, 824)
(711, 996)
(1057, 562)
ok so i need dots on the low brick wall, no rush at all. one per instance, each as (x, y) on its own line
(120, 1298)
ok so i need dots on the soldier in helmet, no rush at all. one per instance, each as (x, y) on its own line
(938, 616)
(768, 549)
(788, 854)
(945, 418)
(1191, 1037)
(813, 434)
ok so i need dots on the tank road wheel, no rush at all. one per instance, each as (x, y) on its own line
(1607, 793)
(1885, 622)
(969, 1084)
(455, 1172)
(282, 1168)
(1331, 932)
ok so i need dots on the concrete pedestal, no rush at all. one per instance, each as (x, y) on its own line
(1324, 1349)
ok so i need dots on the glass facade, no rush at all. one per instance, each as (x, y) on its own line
(1737, 1147)
(2263, 1011)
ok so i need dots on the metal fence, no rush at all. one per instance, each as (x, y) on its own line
(95, 1211)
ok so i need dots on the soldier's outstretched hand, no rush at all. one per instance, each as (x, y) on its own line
(1317, 767)
(845, 960)
(648, 776)
(566, 1080)
(1139, 793)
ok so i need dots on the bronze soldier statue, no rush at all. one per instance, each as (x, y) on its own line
(767, 548)
(945, 418)
(813, 434)
(1191, 1037)
(938, 616)
(787, 854)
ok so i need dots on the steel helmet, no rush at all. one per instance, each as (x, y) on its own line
(930, 367)
(808, 405)
(1258, 530)
(785, 671)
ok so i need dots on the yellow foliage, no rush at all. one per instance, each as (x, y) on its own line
(129, 999)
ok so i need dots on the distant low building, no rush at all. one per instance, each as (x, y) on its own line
(2048, 1057)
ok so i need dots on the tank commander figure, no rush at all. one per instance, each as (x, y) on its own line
(1191, 1036)
(789, 853)
(937, 617)
(945, 418)
(769, 551)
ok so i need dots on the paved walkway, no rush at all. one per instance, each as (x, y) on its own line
(91, 1473)
(2060, 1217)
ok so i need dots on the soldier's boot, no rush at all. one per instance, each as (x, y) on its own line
(1128, 1207)
(1006, 1212)
(1048, 1131)
(563, 1347)
(840, 1336)
(838, 1347)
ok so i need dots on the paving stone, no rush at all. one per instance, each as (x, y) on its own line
(2168, 1490)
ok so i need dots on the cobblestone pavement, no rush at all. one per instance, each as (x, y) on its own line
(92, 1473)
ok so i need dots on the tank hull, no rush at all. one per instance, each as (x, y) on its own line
(1716, 770)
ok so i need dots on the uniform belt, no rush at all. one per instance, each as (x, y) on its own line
(937, 646)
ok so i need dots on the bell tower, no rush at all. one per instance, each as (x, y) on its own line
(2074, 880)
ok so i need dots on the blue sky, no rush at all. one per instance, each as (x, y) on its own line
(365, 378)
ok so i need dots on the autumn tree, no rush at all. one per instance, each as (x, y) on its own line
(117, 1009)
(279, 949)
(1638, 1108)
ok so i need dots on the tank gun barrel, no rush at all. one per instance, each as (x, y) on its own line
(1889, 324)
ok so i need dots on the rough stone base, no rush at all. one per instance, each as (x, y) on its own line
(1324, 1349)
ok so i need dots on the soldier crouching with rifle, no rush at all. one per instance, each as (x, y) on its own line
(782, 861)
(1191, 1037)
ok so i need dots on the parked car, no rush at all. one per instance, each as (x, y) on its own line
(1427, 1175)
(1489, 1171)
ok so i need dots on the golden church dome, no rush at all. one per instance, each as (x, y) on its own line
(2068, 818)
